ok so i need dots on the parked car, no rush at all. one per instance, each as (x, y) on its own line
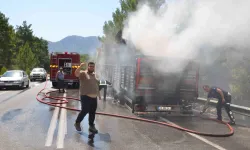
(38, 73)
(14, 78)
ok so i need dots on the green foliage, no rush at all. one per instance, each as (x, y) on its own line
(241, 78)
(7, 39)
(28, 71)
(25, 57)
(3, 70)
(84, 58)
(236, 62)
(112, 27)
(20, 48)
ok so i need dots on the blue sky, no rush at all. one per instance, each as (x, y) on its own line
(56, 19)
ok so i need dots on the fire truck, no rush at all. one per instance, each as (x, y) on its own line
(69, 61)
(143, 88)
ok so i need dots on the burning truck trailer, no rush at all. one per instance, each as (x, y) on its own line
(143, 88)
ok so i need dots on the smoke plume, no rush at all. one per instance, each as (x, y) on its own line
(182, 28)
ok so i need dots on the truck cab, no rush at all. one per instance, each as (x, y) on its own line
(159, 89)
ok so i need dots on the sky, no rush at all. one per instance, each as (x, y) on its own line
(55, 19)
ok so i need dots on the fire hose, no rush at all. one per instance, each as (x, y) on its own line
(65, 100)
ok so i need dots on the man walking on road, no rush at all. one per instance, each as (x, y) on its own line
(89, 90)
(224, 99)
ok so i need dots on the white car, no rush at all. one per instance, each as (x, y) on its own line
(38, 73)
(14, 78)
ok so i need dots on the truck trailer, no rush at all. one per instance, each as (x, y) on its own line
(142, 87)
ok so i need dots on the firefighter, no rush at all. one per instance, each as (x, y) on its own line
(104, 84)
(60, 79)
(224, 99)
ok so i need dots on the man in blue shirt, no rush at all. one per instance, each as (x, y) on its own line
(60, 79)
(224, 99)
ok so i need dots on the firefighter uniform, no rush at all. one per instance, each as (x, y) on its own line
(214, 94)
(104, 84)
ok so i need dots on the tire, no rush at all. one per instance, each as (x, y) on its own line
(133, 108)
(28, 85)
(22, 86)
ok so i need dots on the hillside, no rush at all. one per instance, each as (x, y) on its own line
(74, 43)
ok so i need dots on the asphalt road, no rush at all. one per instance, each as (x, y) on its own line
(27, 124)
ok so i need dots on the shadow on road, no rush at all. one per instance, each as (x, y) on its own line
(92, 139)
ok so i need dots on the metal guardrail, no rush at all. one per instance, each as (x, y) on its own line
(233, 106)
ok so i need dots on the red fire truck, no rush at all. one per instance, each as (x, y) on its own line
(69, 61)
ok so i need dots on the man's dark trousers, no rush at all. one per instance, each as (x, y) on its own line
(89, 105)
(226, 105)
(105, 90)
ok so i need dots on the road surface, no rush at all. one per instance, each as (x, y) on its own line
(27, 124)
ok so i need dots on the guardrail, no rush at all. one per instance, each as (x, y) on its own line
(233, 106)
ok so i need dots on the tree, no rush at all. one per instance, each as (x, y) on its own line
(25, 57)
(3, 70)
(84, 57)
(40, 49)
(112, 27)
(20, 48)
(38, 46)
(7, 39)
(24, 33)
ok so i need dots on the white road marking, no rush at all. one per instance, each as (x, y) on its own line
(37, 84)
(65, 117)
(198, 137)
(62, 126)
(52, 127)
(4, 92)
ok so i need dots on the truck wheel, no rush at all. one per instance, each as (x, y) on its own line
(186, 109)
(133, 108)
(54, 84)
(122, 101)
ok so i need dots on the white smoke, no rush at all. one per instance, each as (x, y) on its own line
(183, 27)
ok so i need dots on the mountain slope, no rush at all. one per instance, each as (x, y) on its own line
(82, 45)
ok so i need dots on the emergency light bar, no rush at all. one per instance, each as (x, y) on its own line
(53, 66)
(56, 66)
(75, 66)
(55, 53)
